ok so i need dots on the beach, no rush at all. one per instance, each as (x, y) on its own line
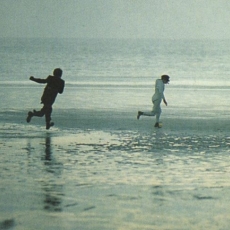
(133, 176)
(100, 168)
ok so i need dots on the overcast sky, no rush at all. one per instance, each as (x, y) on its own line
(173, 19)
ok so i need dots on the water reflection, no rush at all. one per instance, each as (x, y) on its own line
(52, 186)
(48, 148)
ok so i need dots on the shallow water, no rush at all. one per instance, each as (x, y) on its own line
(120, 179)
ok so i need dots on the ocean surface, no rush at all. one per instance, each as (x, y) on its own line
(99, 167)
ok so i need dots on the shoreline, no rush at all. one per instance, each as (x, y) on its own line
(74, 120)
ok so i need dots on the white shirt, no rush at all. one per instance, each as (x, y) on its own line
(159, 90)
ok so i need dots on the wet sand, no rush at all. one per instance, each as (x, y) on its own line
(106, 170)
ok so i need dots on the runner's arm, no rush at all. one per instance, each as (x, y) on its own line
(38, 80)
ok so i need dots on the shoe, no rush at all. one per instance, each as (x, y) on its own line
(49, 124)
(139, 114)
(30, 115)
(157, 125)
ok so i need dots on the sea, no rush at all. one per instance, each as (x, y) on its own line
(99, 167)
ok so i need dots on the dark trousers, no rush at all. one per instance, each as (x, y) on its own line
(46, 110)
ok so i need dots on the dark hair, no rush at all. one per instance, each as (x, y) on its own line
(165, 77)
(57, 72)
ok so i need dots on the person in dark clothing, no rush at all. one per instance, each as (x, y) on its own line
(54, 85)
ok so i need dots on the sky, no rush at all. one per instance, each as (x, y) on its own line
(167, 19)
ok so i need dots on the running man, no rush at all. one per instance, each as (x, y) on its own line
(156, 99)
(54, 85)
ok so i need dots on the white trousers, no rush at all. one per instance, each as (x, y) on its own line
(156, 111)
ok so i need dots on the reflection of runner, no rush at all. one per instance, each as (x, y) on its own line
(156, 99)
(54, 86)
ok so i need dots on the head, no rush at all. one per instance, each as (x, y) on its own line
(165, 79)
(57, 72)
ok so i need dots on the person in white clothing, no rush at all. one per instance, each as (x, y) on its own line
(156, 99)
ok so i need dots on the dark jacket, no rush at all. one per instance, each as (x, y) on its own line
(54, 86)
